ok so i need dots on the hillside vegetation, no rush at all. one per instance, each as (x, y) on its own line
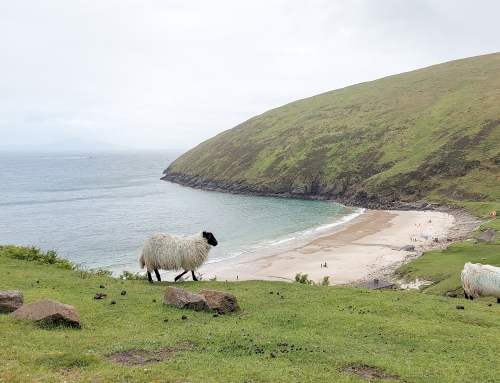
(428, 135)
(283, 332)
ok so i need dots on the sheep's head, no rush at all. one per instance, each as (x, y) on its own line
(210, 238)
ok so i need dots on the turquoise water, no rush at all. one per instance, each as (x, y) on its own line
(97, 208)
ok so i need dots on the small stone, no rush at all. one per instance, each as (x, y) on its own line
(97, 296)
(101, 286)
(216, 315)
(220, 301)
(154, 300)
(48, 311)
(113, 302)
(459, 307)
(184, 317)
(184, 300)
(165, 320)
(123, 292)
(10, 300)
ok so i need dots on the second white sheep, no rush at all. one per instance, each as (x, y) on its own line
(480, 280)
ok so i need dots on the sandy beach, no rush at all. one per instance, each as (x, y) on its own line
(367, 247)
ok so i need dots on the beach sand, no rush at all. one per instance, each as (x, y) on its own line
(367, 247)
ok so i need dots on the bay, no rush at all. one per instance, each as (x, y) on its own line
(97, 208)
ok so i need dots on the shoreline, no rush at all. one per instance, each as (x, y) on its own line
(363, 249)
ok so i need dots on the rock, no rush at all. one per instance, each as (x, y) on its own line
(123, 292)
(184, 317)
(408, 248)
(460, 307)
(113, 303)
(220, 301)
(183, 299)
(10, 300)
(49, 311)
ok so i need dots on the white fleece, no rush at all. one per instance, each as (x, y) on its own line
(170, 252)
(480, 280)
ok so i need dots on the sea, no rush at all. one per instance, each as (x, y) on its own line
(96, 209)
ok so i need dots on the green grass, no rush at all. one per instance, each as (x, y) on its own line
(443, 267)
(411, 336)
(32, 253)
(431, 134)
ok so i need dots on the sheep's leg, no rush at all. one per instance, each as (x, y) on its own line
(150, 278)
(465, 295)
(498, 300)
(157, 275)
(180, 275)
(194, 276)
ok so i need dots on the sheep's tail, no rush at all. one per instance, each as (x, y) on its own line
(142, 263)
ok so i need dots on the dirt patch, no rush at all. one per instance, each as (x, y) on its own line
(370, 373)
(143, 357)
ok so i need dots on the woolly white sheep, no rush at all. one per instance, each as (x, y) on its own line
(480, 280)
(170, 252)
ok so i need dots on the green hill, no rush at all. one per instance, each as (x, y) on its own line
(283, 332)
(428, 135)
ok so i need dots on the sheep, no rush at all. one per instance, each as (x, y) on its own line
(170, 252)
(480, 280)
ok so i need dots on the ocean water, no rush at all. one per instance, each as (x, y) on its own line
(97, 208)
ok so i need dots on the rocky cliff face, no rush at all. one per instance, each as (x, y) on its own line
(345, 195)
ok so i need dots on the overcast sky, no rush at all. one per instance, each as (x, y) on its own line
(171, 74)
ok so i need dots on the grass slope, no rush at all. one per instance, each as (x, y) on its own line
(303, 334)
(430, 134)
(443, 267)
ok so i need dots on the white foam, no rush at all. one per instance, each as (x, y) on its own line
(220, 259)
(286, 240)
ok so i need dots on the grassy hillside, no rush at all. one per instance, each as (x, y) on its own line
(432, 134)
(303, 334)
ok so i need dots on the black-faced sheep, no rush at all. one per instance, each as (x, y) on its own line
(480, 280)
(170, 252)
